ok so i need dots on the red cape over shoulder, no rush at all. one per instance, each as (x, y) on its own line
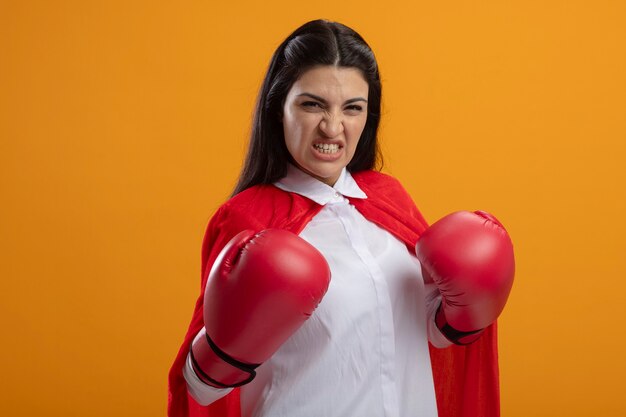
(466, 377)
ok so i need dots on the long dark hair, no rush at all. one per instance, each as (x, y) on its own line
(318, 42)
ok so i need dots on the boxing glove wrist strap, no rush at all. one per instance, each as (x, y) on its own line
(245, 367)
(455, 336)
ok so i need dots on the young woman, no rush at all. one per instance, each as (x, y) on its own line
(317, 301)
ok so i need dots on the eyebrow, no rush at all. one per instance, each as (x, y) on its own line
(320, 99)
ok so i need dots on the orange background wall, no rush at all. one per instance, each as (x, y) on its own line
(122, 128)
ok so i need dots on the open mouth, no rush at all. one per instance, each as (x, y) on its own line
(328, 148)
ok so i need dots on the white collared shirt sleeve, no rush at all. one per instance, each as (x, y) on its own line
(433, 299)
(203, 394)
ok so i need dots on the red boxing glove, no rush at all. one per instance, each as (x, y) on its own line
(260, 290)
(469, 256)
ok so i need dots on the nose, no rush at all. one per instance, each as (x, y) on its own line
(331, 125)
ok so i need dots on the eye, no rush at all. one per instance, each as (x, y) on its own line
(311, 104)
(354, 108)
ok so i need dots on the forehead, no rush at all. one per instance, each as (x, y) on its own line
(332, 81)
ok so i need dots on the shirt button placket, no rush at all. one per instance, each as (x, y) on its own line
(357, 240)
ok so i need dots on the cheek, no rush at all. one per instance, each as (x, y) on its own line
(297, 131)
(355, 130)
(293, 136)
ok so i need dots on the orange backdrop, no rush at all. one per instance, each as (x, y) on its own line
(123, 125)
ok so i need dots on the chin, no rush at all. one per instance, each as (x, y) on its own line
(327, 177)
(325, 171)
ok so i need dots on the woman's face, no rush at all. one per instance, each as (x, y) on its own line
(323, 117)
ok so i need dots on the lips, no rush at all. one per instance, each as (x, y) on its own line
(328, 148)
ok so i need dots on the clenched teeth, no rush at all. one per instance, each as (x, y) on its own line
(326, 147)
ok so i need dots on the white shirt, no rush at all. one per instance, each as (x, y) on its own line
(364, 351)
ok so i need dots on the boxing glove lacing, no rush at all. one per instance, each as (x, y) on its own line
(246, 367)
(451, 333)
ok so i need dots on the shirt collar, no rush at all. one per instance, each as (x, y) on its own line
(299, 182)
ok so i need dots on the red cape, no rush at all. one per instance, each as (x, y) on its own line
(466, 377)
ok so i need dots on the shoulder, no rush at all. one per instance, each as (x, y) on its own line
(375, 179)
(382, 186)
(256, 208)
(386, 194)
(261, 195)
(263, 206)
(250, 208)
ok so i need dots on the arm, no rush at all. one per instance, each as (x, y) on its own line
(260, 290)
